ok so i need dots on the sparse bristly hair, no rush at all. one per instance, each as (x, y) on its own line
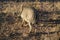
(27, 15)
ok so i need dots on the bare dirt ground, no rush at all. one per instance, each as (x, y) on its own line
(46, 28)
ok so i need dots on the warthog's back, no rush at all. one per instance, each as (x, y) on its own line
(28, 15)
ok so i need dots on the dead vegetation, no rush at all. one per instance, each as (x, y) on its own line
(47, 28)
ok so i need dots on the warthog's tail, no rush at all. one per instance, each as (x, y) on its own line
(30, 27)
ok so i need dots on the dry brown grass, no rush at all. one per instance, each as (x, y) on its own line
(13, 29)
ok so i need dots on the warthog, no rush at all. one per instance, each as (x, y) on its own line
(28, 15)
